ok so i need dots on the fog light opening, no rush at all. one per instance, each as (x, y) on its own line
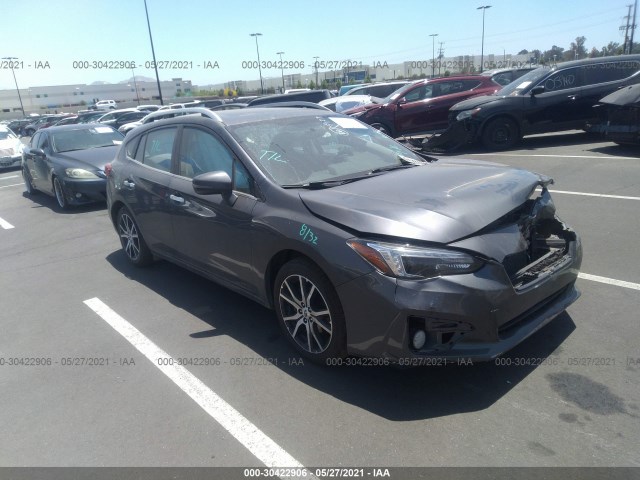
(419, 339)
(78, 195)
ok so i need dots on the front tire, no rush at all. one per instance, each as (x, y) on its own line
(61, 195)
(309, 311)
(500, 134)
(133, 244)
(28, 182)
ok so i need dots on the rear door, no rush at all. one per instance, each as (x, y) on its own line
(146, 187)
(604, 78)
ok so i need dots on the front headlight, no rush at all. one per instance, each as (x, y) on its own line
(467, 114)
(406, 261)
(79, 173)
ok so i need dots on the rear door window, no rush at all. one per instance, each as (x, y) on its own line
(158, 149)
(610, 71)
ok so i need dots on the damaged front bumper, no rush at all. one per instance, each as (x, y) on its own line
(532, 260)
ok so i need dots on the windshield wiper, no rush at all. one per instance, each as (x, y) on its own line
(326, 183)
(405, 162)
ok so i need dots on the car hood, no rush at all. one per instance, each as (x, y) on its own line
(474, 102)
(362, 108)
(10, 144)
(90, 159)
(441, 202)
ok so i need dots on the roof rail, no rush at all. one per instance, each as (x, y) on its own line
(175, 112)
(298, 104)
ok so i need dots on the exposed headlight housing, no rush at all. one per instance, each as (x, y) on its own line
(467, 114)
(79, 173)
(411, 262)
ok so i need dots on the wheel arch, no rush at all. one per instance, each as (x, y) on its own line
(277, 262)
(495, 116)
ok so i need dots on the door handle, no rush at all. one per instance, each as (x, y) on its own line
(129, 185)
(571, 97)
(176, 199)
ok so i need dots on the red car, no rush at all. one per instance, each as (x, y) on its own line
(422, 106)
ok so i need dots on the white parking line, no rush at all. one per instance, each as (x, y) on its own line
(619, 197)
(609, 281)
(9, 176)
(12, 185)
(259, 444)
(6, 225)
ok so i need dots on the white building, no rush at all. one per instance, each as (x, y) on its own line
(71, 98)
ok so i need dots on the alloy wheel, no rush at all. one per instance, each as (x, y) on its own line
(129, 236)
(306, 314)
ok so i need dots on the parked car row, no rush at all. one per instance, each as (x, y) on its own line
(547, 99)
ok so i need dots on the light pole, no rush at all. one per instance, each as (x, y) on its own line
(483, 8)
(433, 54)
(135, 83)
(259, 67)
(11, 59)
(282, 69)
(315, 64)
(153, 53)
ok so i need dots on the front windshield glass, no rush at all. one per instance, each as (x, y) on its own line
(301, 150)
(4, 135)
(397, 94)
(518, 85)
(84, 139)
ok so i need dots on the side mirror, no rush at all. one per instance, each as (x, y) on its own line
(401, 101)
(38, 152)
(537, 90)
(214, 183)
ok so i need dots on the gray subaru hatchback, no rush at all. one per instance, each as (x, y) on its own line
(361, 246)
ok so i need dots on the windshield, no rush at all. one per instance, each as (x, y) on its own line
(397, 93)
(69, 140)
(4, 135)
(517, 86)
(310, 149)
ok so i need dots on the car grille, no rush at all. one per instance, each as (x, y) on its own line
(546, 238)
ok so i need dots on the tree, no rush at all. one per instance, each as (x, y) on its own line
(324, 85)
(221, 92)
(299, 84)
(577, 50)
(338, 84)
(367, 79)
(523, 52)
(594, 53)
(312, 85)
(613, 48)
(553, 55)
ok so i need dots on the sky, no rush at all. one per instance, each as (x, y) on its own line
(55, 40)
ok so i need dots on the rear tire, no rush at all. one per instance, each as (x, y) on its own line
(133, 244)
(309, 311)
(500, 134)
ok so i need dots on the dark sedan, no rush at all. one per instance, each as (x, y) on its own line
(361, 246)
(67, 162)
